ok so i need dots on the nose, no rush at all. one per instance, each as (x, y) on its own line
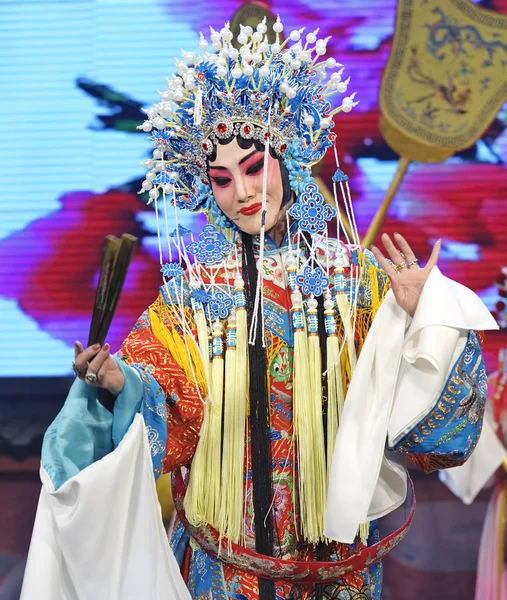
(244, 188)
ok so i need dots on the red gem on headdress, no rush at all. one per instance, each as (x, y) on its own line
(221, 128)
(205, 146)
(199, 164)
(247, 129)
(266, 136)
(200, 76)
(283, 148)
(332, 137)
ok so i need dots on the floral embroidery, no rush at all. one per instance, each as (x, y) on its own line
(448, 435)
(156, 445)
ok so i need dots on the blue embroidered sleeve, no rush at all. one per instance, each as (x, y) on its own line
(154, 411)
(447, 436)
(84, 431)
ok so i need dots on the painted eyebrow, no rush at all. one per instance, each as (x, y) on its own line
(245, 158)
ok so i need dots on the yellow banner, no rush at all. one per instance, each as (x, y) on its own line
(446, 77)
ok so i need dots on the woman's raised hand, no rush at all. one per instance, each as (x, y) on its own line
(406, 275)
(95, 366)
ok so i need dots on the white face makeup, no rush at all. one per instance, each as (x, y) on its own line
(236, 177)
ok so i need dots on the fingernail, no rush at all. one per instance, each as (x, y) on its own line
(372, 247)
(76, 343)
(105, 347)
(96, 346)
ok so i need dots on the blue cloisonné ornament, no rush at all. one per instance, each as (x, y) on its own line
(339, 175)
(180, 231)
(164, 178)
(312, 280)
(211, 246)
(201, 296)
(172, 270)
(219, 305)
(310, 210)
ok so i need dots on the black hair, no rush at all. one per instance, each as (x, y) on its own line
(259, 425)
(261, 456)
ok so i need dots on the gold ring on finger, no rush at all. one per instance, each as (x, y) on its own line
(77, 373)
(401, 254)
(414, 262)
(400, 267)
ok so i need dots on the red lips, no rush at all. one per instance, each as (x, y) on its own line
(252, 209)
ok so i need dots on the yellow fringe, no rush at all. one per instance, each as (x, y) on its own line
(301, 390)
(231, 511)
(364, 532)
(225, 520)
(315, 443)
(212, 488)
(342, 302)
(335, 395)
(195, 501)
(242, 411)
(203, 497)
(202, 338)
(174, 344)
(309, 433)
(373, 279)
(220, 501)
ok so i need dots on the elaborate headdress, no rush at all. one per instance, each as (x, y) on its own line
(277, 94)
(274, 93)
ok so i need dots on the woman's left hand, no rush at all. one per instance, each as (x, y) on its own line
(406, 275)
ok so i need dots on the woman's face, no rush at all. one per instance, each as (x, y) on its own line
(236, 177)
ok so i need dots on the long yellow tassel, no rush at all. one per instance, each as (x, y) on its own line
(225, 525)
(349, 364)
(342, 302)
(202, 337)
(213, 439)
(335, 395)
(239, 437)
(308, 427)
(195, 501)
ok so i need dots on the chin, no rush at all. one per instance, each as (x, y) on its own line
(252, 225)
